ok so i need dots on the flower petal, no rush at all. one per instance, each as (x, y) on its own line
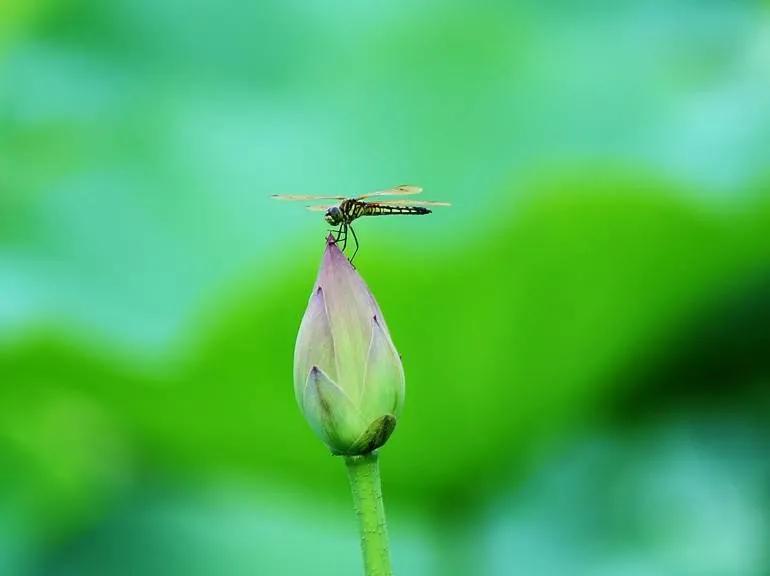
(377, 433)
(315, 345)
(330, 412)
(350, 307)
(384, 389)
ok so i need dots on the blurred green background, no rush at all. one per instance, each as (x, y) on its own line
(585, 333)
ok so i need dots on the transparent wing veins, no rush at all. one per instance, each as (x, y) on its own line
(306, 197)
(400, 190)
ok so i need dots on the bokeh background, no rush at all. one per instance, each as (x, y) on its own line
(585, 333)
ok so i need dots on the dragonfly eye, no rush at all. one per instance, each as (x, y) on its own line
(333, 215)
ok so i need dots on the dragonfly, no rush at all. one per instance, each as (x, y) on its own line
(346, 210)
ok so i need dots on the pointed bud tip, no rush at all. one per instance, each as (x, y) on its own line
(333, 256)
(331, 246)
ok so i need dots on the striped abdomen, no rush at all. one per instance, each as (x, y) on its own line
(375, 209)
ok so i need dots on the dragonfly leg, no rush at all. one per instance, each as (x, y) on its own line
(337, 234)
(344, 229)
(355, 239)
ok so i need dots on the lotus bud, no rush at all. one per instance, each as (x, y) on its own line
(348, 378)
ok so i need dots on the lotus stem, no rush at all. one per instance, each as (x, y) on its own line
(364, 475)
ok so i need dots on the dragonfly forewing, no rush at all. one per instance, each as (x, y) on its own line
(401, 190)
(305, 197)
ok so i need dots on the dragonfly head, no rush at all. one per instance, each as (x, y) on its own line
(333, 216)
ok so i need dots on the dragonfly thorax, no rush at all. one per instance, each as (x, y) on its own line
(334, 216)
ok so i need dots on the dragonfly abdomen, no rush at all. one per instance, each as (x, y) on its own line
(375, 209)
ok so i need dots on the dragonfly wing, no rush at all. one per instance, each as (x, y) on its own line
(411, 203)
(320, 207)
(305, 197)
(401, 190)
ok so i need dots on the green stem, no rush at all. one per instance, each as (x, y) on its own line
(364, 475)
